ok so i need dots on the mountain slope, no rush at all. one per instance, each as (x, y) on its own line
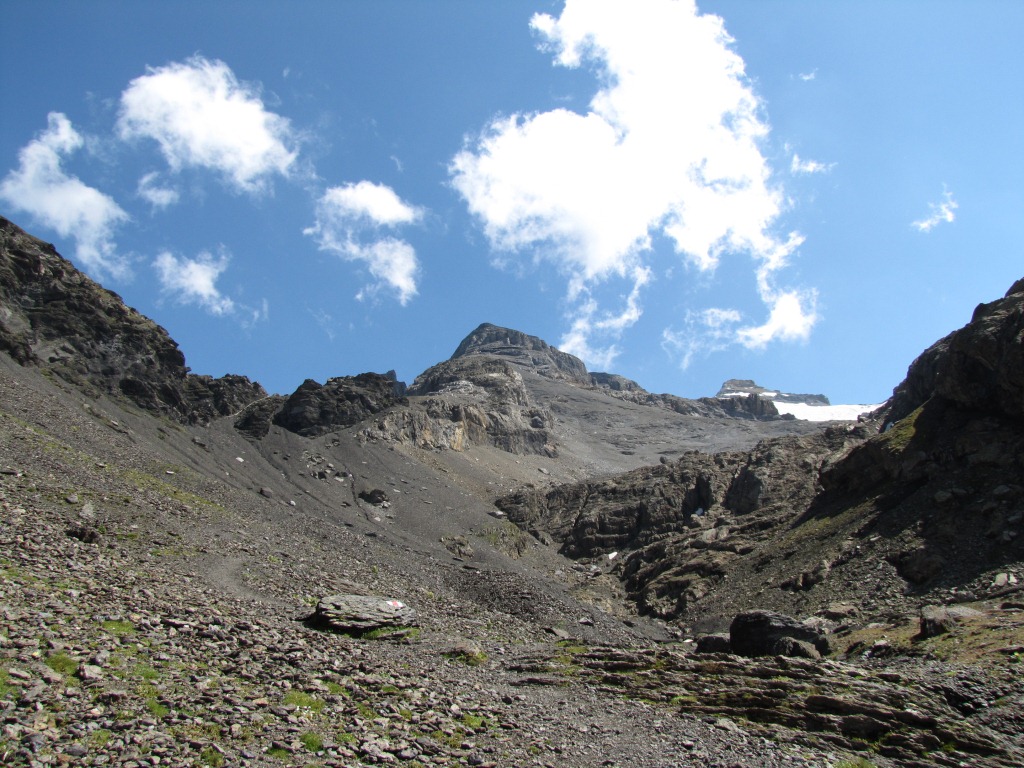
(158, 559)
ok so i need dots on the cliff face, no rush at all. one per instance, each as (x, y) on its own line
(979, 367)
(54, 317)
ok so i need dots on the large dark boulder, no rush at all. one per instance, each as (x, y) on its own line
(767, 633)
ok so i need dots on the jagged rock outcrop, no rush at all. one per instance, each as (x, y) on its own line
(55, 317)
(979, 367)
(682, 526)
(316, 409)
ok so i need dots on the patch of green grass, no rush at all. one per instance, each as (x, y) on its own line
(6, 689)
(683, 700)
(100, 737)
(469, 657)
(156, 709)
(211, 757)
(311, 741)
(474, 722)
(508, 537)
(336, 689)
(146, 672)
(388, 689)
(280, 754)
(899, 435)
(347, 738)
(119, 627)
(302, 700)
(62, 663)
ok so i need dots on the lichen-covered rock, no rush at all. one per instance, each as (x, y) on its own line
(362, 613)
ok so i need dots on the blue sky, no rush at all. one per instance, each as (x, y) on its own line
(803, 193)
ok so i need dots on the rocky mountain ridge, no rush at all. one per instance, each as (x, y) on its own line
(54, 316)
(594, 580)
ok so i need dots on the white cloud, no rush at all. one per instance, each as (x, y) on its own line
(201, 115)
(669, 146)
(366, 202)
(800, 166)
(193, 281)
(43, 189)
(349, 219)
(941, 213)
(793, 315)
(589, 321)
(808, 76)
(154, 193)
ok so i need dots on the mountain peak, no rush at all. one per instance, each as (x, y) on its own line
(524, 350)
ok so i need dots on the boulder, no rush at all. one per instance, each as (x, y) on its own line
(717, 643)
(939, 619)
(361, 613)
(767, 633)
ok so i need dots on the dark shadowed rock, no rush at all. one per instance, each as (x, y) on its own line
(979, 367)
(316, 409)
(716, 643)
(767, 633)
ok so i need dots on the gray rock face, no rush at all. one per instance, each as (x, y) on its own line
(362, 613)
(749, 387)
(55, 317)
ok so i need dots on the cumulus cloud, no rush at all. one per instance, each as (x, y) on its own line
(943, 212)
(41, 188)
(153, 192)
(350, 220)
(669, 146)
(193, 281)
(201, 115)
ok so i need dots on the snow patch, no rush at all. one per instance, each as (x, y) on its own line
(825, 412)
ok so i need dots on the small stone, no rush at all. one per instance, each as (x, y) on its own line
(89, 672)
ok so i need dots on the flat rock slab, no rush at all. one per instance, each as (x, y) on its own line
(362, 613)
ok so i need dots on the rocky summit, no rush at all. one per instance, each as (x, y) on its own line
(511, 561)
